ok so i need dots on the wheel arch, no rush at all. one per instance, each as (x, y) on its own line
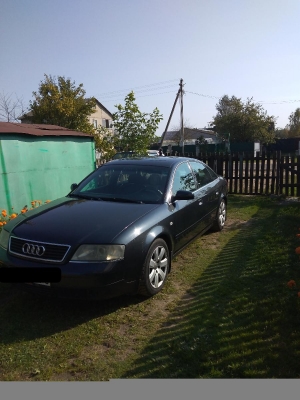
(159, 233)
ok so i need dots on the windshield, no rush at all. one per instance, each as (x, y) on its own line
(125, 183)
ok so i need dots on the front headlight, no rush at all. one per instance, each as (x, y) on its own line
(99, 252)
(4, 238)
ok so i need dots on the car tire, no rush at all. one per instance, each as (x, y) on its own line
(155, 269)
(220, 217)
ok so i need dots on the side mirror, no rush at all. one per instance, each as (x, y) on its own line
(183, 195)
(73, 186)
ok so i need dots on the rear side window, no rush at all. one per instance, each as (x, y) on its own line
(202, 173)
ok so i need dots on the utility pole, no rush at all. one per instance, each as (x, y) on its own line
(180, 91)
(181, 114)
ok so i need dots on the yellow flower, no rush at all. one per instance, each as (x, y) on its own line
(4, 213)
(13, 216)
(1, 223)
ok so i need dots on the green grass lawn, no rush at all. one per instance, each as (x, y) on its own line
(226, 312)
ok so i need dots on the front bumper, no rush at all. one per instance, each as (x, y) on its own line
(78, 279)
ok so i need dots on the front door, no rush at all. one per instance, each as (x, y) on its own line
(185, 211)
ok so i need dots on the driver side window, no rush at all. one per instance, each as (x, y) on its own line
(183, 179)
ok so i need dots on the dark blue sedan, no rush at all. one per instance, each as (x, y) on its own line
(117, 231)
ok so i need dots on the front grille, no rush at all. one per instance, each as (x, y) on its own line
(53, 252)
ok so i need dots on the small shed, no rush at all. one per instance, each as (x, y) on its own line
(40, 162)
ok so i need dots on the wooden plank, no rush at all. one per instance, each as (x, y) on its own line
(262, 173)
(281, 178)
(286, 173)
(246, 173)
(236, 173)
(256, 175)
(230, 173)
(292, 175)
(251, 174)
(268, 173)
(278, 174)
(226, 166)
(298, 176)
(241, 173)
(275, 176)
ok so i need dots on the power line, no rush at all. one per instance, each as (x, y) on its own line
(261, 101)
(203, 95)
(282, 102)
(137, 87)
(137, 91)
(138, 96)
(116, 95)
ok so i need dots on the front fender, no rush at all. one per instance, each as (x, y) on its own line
(158, 232)
(136, 251)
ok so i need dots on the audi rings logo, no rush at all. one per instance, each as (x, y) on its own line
(33, 249)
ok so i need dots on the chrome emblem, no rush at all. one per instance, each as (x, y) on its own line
(33, 249)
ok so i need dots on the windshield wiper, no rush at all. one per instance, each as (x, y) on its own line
(84, 196)
(121, 199)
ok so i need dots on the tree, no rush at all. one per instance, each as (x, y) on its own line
(294, 123)
(11, 107)
(59, 101)
(105, 142)
(135, 130)
(282, 133)
(201, 140)
(245, 122)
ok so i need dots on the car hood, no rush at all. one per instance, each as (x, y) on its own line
(75, 221)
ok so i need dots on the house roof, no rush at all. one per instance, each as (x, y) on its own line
(190, 134)
(26, 115)
(38, 130)
(104, 108)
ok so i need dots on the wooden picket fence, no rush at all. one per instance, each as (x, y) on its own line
(262, 174)
(266, 173)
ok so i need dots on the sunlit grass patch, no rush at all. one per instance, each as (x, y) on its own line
(226, 312)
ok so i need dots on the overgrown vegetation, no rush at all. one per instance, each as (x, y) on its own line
(226, 312)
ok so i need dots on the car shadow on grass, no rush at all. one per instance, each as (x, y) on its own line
(239, 319)
(25, 316)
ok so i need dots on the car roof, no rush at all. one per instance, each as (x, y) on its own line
(159, 161)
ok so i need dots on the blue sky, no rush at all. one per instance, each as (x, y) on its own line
(245, 48)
